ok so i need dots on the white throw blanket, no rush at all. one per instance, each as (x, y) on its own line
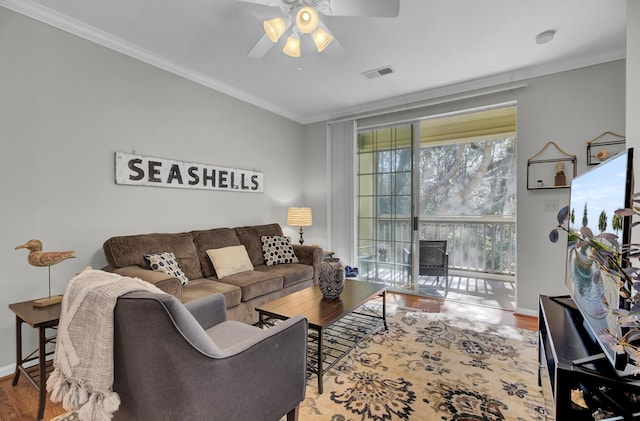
(83, 363)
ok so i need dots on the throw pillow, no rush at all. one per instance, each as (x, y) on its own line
(277, 250)
(229, 260)
(167, 263)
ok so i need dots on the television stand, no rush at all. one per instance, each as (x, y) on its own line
(575, 373)
(589, 359)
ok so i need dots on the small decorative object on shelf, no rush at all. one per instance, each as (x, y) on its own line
(561, 179)
(539, 169)
(37, 257)
(602, 147)
(331, 279)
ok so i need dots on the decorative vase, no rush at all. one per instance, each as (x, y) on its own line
(331, 279)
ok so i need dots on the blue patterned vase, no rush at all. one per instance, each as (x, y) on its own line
(331, 279)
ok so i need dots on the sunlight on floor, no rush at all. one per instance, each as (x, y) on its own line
(477, 291)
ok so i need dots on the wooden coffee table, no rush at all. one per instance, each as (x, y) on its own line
(334, 318)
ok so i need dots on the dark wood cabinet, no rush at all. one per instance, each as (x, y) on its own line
(572, 367)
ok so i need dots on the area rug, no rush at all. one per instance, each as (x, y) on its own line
(429, 366)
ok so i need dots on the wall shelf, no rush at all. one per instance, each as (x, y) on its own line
(544, 173)
(604, 146)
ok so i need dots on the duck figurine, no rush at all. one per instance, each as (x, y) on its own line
(37, 257)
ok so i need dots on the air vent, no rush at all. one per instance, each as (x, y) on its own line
(382, 71)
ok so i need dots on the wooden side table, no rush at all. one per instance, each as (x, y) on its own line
(326, 254)
(40, 318)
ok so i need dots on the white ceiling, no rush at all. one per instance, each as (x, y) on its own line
(435, 47)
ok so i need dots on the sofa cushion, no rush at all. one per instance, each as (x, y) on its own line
(277, 250)
(207, 286)
(230, 260)
(130, 250)
(250, 237)
(254, 284)
(291, 273)
(213, 239)
(167, 263)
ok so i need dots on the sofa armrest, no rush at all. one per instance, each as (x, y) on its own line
(208, 310)
(310, 255)
(161, 280)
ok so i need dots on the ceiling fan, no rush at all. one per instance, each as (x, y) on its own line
(301, 16)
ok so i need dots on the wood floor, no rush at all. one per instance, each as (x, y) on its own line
(20, 403)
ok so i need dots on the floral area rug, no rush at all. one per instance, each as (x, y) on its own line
(429, 366)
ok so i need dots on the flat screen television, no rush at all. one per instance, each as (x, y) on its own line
(595, 196)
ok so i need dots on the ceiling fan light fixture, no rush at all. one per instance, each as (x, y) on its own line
(274, 28)
(292, 47)
(322, 39)
(307, 19)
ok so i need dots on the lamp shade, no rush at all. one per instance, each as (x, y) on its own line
(307, 19)
(299, 217)
(322, 39)
(292, 47)
(274, 28)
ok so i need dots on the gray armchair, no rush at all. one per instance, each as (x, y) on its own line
(187, 362)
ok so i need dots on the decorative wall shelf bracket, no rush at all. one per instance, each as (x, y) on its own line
(604, 146)
(550, 172)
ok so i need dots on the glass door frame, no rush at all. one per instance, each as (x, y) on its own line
(381, 185)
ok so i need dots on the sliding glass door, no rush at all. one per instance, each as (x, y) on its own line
(448, 178)
(384, 171)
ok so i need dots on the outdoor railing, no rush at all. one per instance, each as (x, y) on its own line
(475, 244)
(483, 244)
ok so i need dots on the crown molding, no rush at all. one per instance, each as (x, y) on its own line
(434, 96)
(89, 33)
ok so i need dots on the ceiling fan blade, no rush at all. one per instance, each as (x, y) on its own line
(335, 50)
(373, 8)
(260, 48)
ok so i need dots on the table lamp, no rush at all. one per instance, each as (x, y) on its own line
(299, 217)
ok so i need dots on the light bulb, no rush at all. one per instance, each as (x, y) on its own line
(292, 47)
(274, 28)
(322, 39)
(307, 20)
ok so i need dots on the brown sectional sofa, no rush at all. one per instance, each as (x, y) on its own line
(243, 291)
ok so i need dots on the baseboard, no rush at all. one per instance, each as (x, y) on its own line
(526, 312)
(7, 370)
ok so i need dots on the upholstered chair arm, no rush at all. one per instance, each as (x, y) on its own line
(209, 310)
(163, 281)
(309, 255)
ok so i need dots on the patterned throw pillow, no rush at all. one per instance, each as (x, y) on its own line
(167, 263)
(277, 250)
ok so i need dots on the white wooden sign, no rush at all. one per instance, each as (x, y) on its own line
(147, 171)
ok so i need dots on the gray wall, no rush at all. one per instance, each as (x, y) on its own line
(67, 105)
(570, 108)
